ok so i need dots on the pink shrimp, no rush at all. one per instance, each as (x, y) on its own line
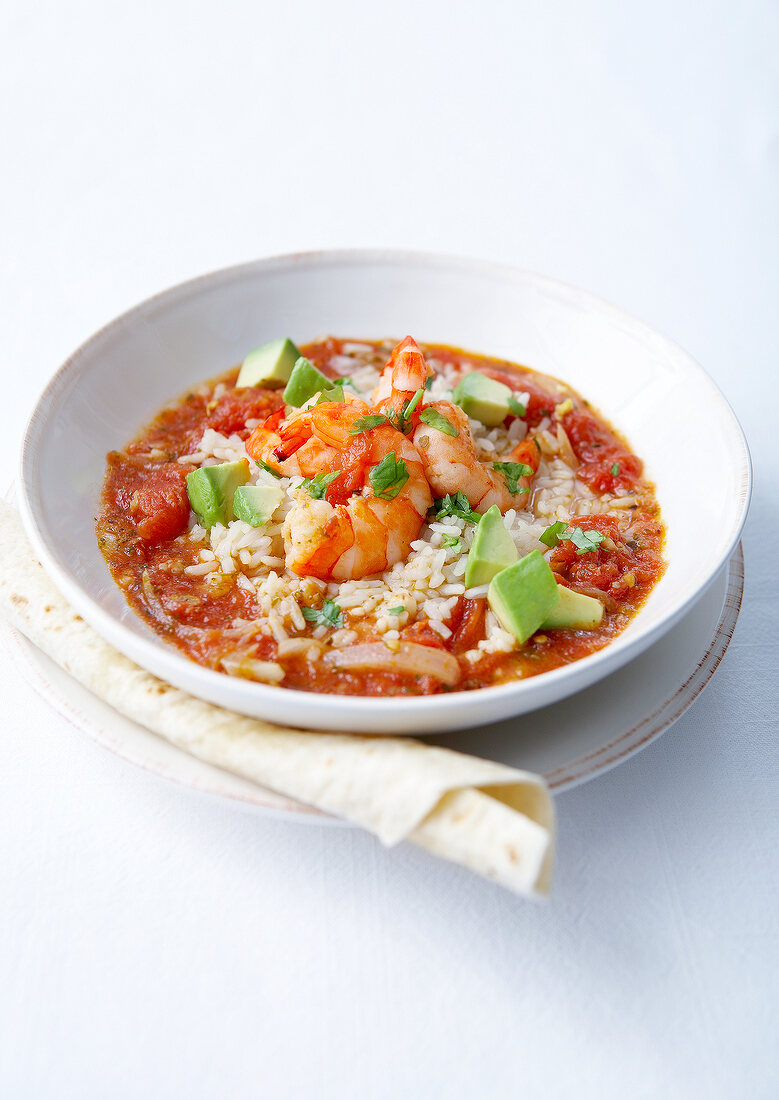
(404, 375)
(364, 519)
(452, 464)
(450, 458)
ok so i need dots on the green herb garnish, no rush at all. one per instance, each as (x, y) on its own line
(318, 486)
(517, 407)
(396, 610)
(268, 469)
(389, 477)
(551, 535)
(584, 541)
(365, 423)
(429, 382)
(400, 420)
(329, 615)
(333, 393)
(451, 542)
(434, 419)
(512, 472)
(457, 505)
(412, 404)
(615, 470)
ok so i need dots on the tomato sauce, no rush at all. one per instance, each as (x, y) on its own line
(142, 532)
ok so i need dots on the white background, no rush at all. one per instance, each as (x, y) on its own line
(155, 944)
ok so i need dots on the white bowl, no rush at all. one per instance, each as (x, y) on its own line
(669, 409)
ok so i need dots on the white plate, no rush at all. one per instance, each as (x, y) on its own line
(569, 742)
(667, 406)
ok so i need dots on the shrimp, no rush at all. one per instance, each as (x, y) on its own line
(305, 458)
(368, 515)
(263, 442)
(451, 462)
(406, 372)
(452, 465)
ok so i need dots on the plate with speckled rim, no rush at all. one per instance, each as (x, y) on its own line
(568, 743)
(645, 385)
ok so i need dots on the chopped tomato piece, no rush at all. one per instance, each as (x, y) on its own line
(623, 572)
(421, 632)
(467, 624)
(606, 463)
(160, 506)
(235, 407)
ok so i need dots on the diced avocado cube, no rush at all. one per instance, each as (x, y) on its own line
(492, 549)
(574, 610)
(304, 382)
(211, 489)
(483, 398)
(271, 365)
(523, 595)
(255, 504)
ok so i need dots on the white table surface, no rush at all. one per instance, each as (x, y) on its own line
(156, 944)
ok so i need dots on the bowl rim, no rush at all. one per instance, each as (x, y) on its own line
(160, 658)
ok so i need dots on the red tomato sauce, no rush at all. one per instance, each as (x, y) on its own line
(142, 533)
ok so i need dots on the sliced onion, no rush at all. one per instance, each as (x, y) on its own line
(309, 648)
(410, 660)
(267, 672)
(566, 451)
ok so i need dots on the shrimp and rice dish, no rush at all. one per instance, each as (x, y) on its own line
(360, 518)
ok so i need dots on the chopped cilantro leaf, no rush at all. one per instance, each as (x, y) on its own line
(389, 477)
(317, 486)
(544, 412)
(329, 614)
(512, 472)
(346, 380)
(332, 393)
(551, 535)
(451, 542)
(584, 541)
(615, 470)
(412, 404)
(401, 420)
(457, 505)
(365, 423)
(517, 407)
(268, 469)
(396, 610)
(434, 419)
(429, 382)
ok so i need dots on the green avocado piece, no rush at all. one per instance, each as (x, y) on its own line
(492, 549)
(483, 398)
(304, 382)
(574, 610)
(255, 504)
(271, 365)
(523, 595)
(211, 489)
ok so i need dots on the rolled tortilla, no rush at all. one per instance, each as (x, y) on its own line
(496, 820)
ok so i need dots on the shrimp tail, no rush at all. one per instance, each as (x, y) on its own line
(406, 372)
